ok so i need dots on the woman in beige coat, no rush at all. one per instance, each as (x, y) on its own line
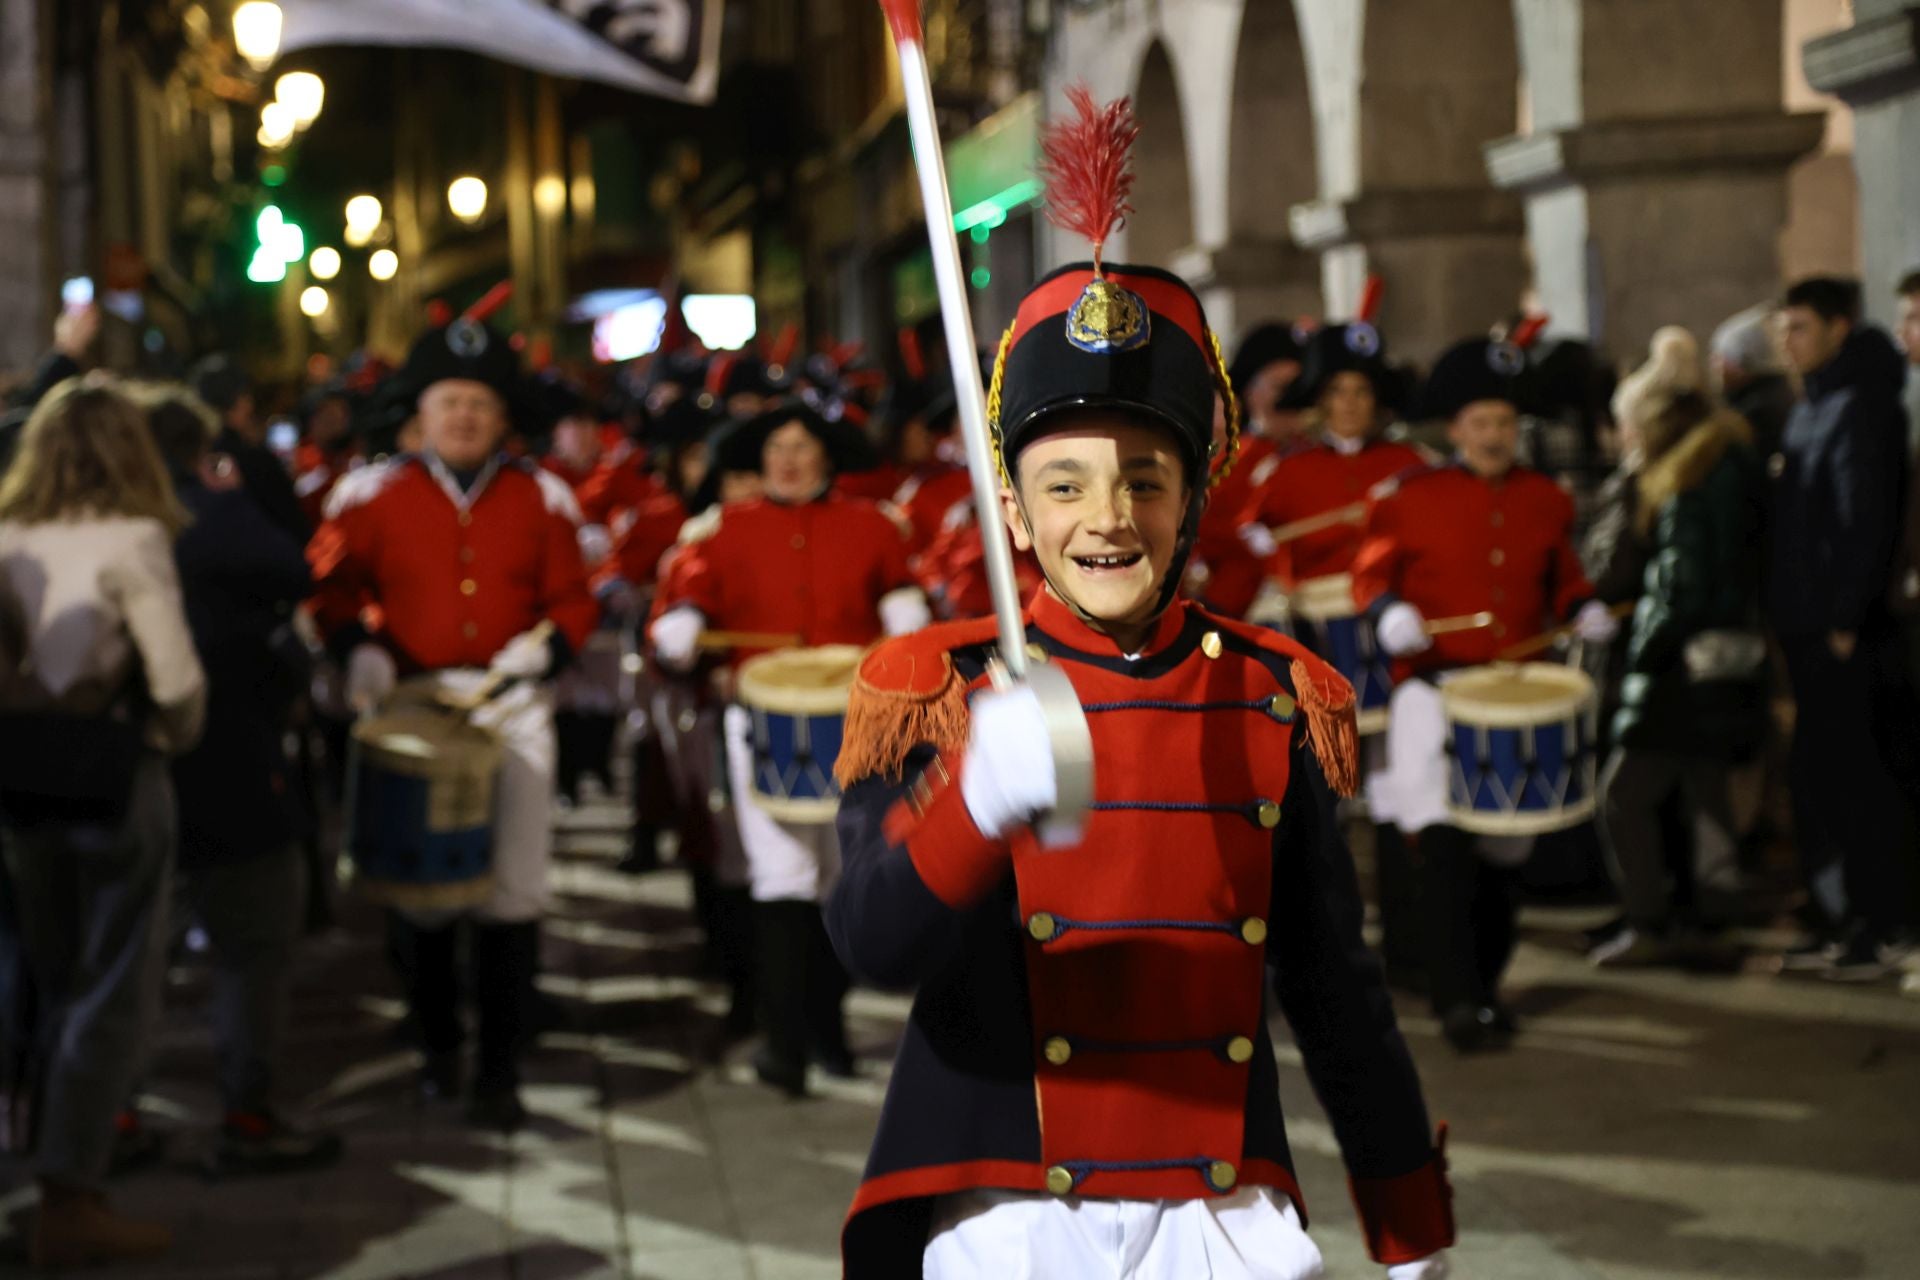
(98, 685)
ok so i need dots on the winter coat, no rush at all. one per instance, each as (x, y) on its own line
(241, 575)
(1699, 514)
(1837, 490)
(1766, 402)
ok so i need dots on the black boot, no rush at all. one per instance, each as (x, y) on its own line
(432, 958)
(783, 943)
(827, 985)
(505, 959)
(733, 948)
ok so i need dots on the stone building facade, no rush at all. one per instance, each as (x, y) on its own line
(1618, 164)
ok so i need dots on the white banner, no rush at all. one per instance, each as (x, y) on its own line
(666, 48)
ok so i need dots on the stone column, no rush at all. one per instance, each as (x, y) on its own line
(1655, 170)
(1874, 66)
(29, 249)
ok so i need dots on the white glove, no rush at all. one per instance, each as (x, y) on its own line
(596, 543)
(1432, 1267)
(1258, 539)
(676, 635)
(525, 657)
(1402, 630)
(371, 676)
(1594, 624)
(1007, 777)
(904, 609)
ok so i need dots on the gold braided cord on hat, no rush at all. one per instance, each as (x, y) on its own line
(993, 404)
(1232, 403)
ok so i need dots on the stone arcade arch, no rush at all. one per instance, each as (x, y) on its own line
(1162, 223)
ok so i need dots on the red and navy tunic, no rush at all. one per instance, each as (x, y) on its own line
(1092, 1020)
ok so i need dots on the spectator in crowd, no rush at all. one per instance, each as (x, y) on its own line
(1836, 499)
(1692, 698)
(242, 875)
(224, 387)
(1748, 372)
(74, 332)
(98, 684)
(1908, 332)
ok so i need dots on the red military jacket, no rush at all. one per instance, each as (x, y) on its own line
(1092, 1020)
(650, 533)
(877, 484)
(953, 570)
(813, 569)
(442, 578)
(927, 496)
(1225, 573)
(1450, 544)
(1312, 480)
(617, 486)
(315, 473)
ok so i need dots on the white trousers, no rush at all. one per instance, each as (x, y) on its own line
(1253, 1234)
(523, 823)
(785, 860)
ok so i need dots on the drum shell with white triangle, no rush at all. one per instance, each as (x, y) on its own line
(797, 699)
(1521, 748)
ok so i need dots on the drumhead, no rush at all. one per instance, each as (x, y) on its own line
(425, 743)
(806, 682)
(1320, 599)
(1513, 695)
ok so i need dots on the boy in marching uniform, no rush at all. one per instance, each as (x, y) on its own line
(802, 561)
(447, 563)
(1344, 382)
(1086, 1085)
(1480, 534)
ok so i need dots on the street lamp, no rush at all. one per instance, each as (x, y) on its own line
(467, 197)
(383, 265)
(302, 93)
(363, 219)
(314, 302)
(256, 32)
(325, 263)
(277, 124)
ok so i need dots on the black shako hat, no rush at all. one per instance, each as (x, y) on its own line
(1265, 344)
(1130, 339)
(1476, 369)
(1334, 349)
(471, 350)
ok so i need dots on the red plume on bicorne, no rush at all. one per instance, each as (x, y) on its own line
(1528, 331)
(1086, 162)
(781, 354)
(912, 358)
(490, 302)
(1370, 295)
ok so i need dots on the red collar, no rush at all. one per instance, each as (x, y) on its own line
(1049, 613)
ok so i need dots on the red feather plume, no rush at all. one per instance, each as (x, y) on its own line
(1528, 331)
(1086, 162)
(912, 358)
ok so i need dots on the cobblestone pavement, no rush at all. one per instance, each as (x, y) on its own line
(1647, 1125)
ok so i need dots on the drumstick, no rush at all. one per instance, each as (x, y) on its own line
(1547, 639)
(485, 691)
(711, 640)
(1460, 622)
(1351, 514)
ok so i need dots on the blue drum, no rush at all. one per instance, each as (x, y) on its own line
(1325, 620)
(798, 701)
(1521, 748)
(420, 809)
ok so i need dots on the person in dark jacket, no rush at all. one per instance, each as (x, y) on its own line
(240, 873)
(1835, 514)
(1692, 698)
(223, 386)
(1748, 372)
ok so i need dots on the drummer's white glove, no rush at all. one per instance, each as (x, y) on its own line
(1402, 630)
(676, 637)
(1432, 1267)
(1007, 776)
(596, 543)
(371, 676)
(528, 656)
(1594, 624)
(903, 610)
(1258, 539)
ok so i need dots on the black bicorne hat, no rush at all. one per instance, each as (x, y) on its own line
(1334, 349)
(471, 350)
(1477, 369)
(1265, 344)
(1130, 339)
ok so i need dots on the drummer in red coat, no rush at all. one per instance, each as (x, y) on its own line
(1086, 1085)
(803, 562)
(1343, 385)
(446, 563)
(1480, 534)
